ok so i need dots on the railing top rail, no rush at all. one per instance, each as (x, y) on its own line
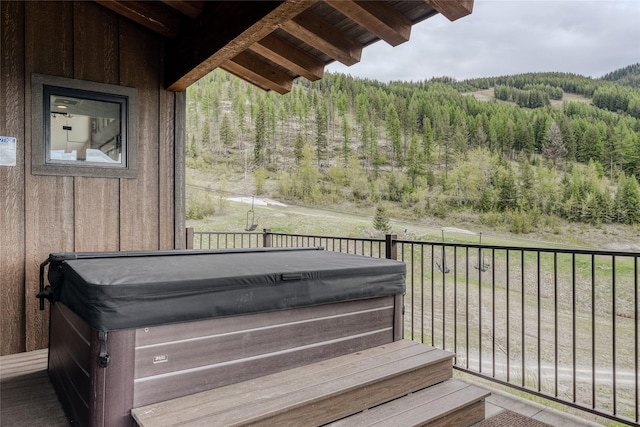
(229, 232)
(360, 239)
(577, 251)
(525, 248)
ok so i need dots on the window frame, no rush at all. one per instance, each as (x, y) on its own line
(42, 86)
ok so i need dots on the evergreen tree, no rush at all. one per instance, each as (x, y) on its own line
(416, 167)
(381, 220)
(321, 132)
(298, 147)
(226, 132)
(427, 141)
(346, 141)
(261, 135)
(394, 135)
(627, 200)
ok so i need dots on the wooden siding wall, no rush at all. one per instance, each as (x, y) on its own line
(44, 214)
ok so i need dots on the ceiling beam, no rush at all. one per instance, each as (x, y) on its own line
(216, 38)
(191, 8)
(148, 14)
(452, 9)
(289, 56)
(377, 17)
(322, 35)
(257, 71)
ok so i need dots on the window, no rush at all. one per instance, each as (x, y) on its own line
(82, 128)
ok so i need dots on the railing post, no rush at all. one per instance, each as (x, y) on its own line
(267, 238)
(391, 249)
(189, 237)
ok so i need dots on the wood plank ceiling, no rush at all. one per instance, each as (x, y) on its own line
(271, 43)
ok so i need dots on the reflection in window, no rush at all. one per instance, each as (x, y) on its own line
(84, 130)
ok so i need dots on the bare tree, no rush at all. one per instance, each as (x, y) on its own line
(555, 149)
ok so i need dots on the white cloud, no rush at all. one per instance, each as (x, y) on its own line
(590, 38)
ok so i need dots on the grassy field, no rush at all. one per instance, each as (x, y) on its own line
(473, 307)
(351, 220)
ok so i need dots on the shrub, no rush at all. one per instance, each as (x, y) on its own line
(260, 177)
(199, 205)
(520, 222)
(492, 218)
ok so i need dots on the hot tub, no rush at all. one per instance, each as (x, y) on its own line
(129, 329)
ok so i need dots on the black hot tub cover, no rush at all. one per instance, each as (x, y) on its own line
(123, 290)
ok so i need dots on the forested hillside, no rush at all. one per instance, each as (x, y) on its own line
(431, 148)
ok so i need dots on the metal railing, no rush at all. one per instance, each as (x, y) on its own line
(557, 323)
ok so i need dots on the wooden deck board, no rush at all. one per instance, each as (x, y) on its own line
(436, 405)
(314, 393)
(27, 397)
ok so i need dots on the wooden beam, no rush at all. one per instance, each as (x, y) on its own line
(191, 8)
(377, 17)
(289, 56)
(224, 30)
(452, 9)
(255, 70)
(151, 15)
(322, 35)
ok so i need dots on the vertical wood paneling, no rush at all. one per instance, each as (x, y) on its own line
(179, 213)
(140, 63)
(97, 207)
(49, 213)
(166, 170)
(44, 214)
(12, 322)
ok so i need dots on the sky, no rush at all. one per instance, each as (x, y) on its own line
(505, 37)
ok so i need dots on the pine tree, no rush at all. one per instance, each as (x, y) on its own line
(394, 134)
(381, 220)
(261, 135)
(346, 141)
(298, 146)
(427, 141)
(321, 132)
(416, 167)
(226, 133)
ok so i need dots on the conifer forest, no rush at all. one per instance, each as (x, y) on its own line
(525, 150)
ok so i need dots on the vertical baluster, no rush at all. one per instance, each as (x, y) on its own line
(593, 331)
(466, 297)
(613, 331)
(493, 313)
(555, 318)
(455, 303)
(480, 267)
(444, 315)
(507, 320)
(573, 321)
(635, 335)
(539, 322)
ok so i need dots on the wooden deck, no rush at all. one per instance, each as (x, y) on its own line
(334, 390)
(26, 395)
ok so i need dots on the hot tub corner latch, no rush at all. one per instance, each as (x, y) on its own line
(103, 357)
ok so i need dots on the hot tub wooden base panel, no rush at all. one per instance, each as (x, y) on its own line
(155, 364)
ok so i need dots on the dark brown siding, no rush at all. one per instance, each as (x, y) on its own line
(96, 59)
(44, 214)
(12, 180)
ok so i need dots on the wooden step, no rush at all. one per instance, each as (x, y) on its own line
(312, 395)
(450, 403)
